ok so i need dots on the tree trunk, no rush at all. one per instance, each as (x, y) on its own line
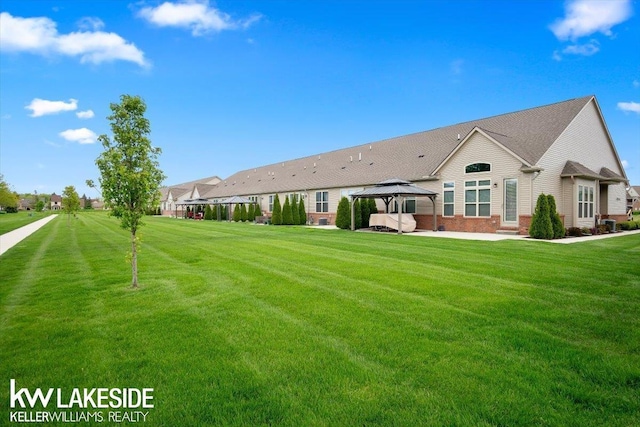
(134, 260)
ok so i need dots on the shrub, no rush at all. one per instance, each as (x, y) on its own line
(302, 212)
(373, 207)
(287, 216)
(574, 232)
(343, 216)
(237, 215)
(244, 215)
(11, 209)
(541, 226)
(208, 213)
(250, 214)
(364, 207)
(357, 214)
(276, 215)
(295, 212)
(556, 222)
(628, 225)
(256, 211)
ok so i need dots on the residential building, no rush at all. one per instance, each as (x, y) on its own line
(488, 173)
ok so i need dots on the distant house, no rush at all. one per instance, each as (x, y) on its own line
(56, 202)
(488, 172)
(26, 204)
(97, 204)
(633, 198)
(172, 196)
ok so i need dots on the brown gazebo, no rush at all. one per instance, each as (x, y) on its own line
(394, 189)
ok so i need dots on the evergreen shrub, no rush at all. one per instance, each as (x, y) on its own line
(343, 216)
(541, 226)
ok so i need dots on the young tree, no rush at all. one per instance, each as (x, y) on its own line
(70, 201)
(130, 174)
(250, 214)
(257, 211)
(8, 198)
(541, 227)
(287, 217)
(295, 212)
(302, 212)
(343, 216)
(276, 215)
(556, 222)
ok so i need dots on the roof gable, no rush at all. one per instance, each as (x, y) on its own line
(494, 137)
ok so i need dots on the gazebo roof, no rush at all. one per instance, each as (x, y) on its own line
(236, 199)
(200, 201)
(394, 187)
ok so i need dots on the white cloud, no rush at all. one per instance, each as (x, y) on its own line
(90, 23)
(636, 83)
(40, 36)
(625, 164)
(81, 136)
(196, 16)
(85, 114)
(585, 17)
(41, 107)
(586, 49)
(631, 107)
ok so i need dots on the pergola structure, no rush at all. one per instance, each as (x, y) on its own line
(398, 190)
(203, 202)
(191, 202)
(233, 201)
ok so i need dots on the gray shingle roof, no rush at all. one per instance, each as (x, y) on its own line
(572, 168)
(527, 133)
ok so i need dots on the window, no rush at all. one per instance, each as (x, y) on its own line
(271, 197)
(409, 205)
(510, 200)
(477, 198)
(477, 167)
(585, 201)
(449, 197)
(322, 201)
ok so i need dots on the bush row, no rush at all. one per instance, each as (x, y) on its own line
(362, 208)
(292, 212)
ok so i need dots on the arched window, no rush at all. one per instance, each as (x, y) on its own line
(477, 167)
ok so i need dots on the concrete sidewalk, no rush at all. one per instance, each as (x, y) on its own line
(12, 238)
(496, 237)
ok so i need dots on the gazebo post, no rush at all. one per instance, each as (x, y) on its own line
(353, 214)
(435, 218)
(400, 202)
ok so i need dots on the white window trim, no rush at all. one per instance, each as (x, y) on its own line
(472, 173)
(453, 203)
(477, 188)
(323, 202)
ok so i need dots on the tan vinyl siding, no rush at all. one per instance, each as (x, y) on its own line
(588, 132)
(479, 149)
(566, 204)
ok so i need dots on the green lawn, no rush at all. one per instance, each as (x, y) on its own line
(239, 324)
(11, 221)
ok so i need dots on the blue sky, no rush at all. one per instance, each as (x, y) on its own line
(231, 85)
